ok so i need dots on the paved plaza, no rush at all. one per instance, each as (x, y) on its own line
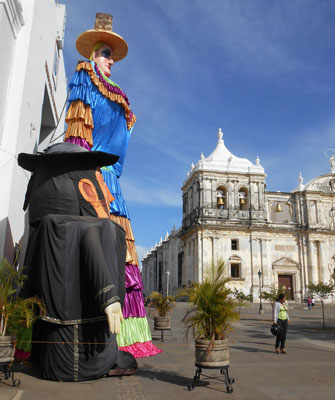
(307, 371)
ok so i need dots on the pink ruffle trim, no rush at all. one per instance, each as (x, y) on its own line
(140, 350)
(21, 355)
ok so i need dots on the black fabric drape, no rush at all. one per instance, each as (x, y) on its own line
(76, 265)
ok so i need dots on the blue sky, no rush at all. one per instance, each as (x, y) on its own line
(262, 70)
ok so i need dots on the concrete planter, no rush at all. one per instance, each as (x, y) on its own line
(217, 357)
(7, 349)
(162, 323)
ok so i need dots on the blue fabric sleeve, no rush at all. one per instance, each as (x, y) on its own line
(118, 206)
(82, 88)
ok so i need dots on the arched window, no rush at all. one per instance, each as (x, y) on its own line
(243, 198)
(221, 198)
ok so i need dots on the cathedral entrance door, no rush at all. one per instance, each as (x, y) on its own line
(287, 281)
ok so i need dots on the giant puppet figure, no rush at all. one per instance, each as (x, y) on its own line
(99, 118)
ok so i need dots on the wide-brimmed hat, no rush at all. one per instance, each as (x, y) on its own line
(66, 155)
(102, 32)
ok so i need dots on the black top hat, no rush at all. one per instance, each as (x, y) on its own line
(66, 155)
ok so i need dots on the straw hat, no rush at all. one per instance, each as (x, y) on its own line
(102, 32)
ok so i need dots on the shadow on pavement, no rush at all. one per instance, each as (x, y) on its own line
(25, 367)
(149, 372)
(250, 349)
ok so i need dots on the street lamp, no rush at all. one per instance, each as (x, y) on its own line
(167, 282)
(260, 292)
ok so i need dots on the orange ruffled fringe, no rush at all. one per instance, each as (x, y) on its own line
(131, 257)
(80, 121)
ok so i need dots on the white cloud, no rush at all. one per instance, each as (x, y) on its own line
(141, 252)
(153, 195)
(301, 152)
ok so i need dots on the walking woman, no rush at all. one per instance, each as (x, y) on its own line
(281, 318)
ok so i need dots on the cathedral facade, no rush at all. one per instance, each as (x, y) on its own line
(265, 238)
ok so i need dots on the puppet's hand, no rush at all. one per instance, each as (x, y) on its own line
(114, 317)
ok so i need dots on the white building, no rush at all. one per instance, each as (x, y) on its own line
(32, 94)
(265, 238)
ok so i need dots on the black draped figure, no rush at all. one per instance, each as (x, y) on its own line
(76, 263)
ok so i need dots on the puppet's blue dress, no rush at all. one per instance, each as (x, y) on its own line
(99, 118)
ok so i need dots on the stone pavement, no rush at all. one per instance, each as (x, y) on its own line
(307, 371)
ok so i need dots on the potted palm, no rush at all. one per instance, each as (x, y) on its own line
(214, 308)
(160, 306)
(15, 312)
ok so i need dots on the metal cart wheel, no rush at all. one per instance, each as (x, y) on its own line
(230, 389)
(17, 382)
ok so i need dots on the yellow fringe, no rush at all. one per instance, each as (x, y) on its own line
(131, 251)
(125, 223)
(80, 110)
(80, 121)
(109, 95)
(131, 257)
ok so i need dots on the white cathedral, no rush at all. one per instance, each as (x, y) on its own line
(265, 238)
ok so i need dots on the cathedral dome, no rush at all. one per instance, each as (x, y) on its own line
(323, 183)
(222, 160)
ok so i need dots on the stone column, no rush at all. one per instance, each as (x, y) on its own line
(236, 198)
(266, 266)
(202, 193)
(313, 265)
(261, 197)
(190, 199)
(252, 200)
(205, 184)
(200, 255)
(297, 286)
(304, 255)
(323, 266)
(230, 194)
(268, 211)
(213, 188)
(300, 219)
(254, 250)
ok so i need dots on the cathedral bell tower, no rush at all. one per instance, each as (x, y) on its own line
(221, 194)
(224, 189)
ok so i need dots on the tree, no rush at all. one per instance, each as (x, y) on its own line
(323, 291)
(241, 298)
(213, 308)
(272, 295)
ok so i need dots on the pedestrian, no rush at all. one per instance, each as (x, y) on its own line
(309, 303)
(281, 318)
(313, 302)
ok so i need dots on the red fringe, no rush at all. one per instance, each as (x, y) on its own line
(21, 355)
(140, 350)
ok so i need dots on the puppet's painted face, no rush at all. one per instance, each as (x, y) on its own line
(104, 59)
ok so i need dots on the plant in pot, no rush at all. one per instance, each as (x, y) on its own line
(15, 312)
(160, 306)
(214, 308)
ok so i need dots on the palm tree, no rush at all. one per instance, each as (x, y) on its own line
(213, 306)
(15, 312)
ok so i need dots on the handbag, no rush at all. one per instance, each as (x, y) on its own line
(275, 330)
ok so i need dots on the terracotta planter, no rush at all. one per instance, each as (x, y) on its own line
(217, 357)
(162, 323)
(7, 349)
